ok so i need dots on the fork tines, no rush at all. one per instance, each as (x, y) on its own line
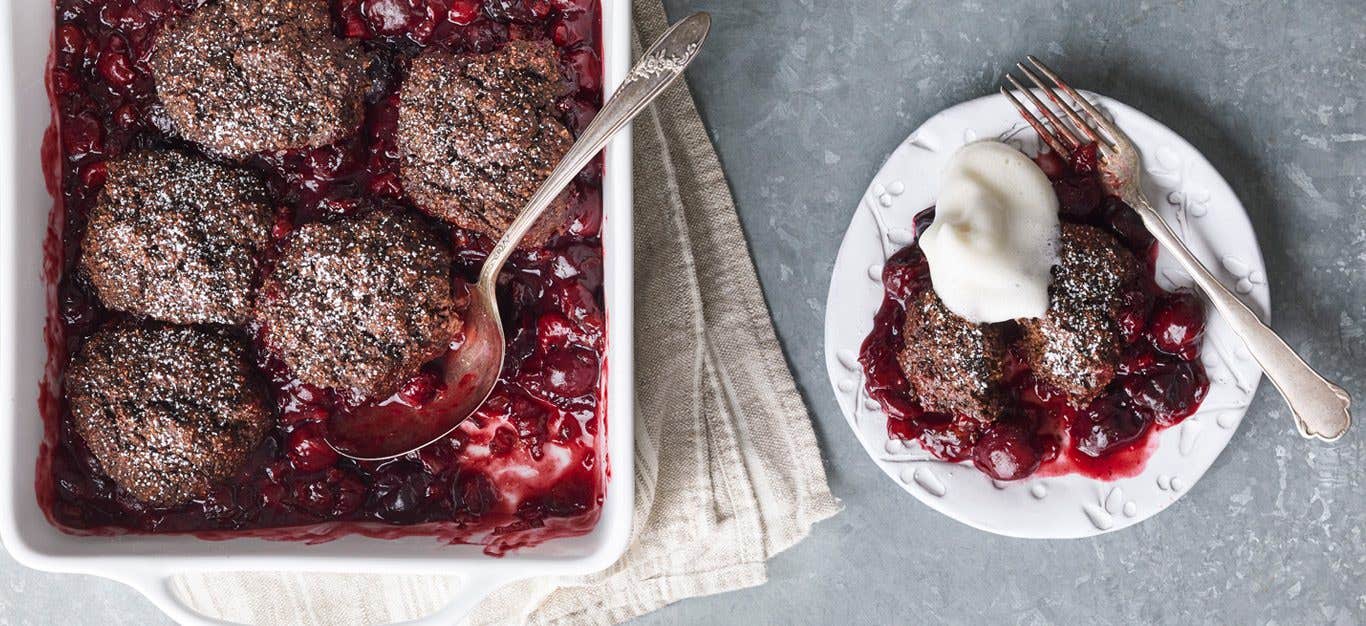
(1084, 123)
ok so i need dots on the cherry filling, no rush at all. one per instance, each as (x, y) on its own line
(1158, 382)
(526, 466)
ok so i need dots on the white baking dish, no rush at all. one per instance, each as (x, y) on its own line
(147, 561)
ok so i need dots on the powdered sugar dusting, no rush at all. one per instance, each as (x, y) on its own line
(168, 410)
(478, 134)
(359, 304)
(177, 238)
(1076, 344)
(246, 76)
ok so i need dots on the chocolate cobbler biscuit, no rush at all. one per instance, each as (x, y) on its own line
(361, 303)
(246, 76)
(1077, 344)
(953, 365)
(166, 410)
(177, 238)
(477, 134)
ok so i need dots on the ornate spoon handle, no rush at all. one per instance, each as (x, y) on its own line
(660, 66)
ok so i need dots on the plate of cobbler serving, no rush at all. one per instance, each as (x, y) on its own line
(1011, 346)
(267, 213)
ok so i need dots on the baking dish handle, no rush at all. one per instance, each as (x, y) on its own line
(157, 589)
(473, 590)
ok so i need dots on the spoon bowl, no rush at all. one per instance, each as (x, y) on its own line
(375, 431)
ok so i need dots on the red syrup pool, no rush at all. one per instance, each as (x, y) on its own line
(1159, 380)
(530, 465)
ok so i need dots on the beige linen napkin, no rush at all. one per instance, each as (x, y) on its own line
(727, 468)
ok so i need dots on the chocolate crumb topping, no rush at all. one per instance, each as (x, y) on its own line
(245, 76)
(953, 365)
(360, 304)
(1076, 345)
(167, 411)
(477, 134)
(177, 238)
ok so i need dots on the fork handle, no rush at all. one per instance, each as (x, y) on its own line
(1320, 407)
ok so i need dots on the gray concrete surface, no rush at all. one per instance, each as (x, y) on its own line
(804, 100)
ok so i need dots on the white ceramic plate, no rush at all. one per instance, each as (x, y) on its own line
(1188, 192)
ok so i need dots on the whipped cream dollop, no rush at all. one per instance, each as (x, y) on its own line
(995, 234)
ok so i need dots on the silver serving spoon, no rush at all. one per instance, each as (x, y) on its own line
(392, 429)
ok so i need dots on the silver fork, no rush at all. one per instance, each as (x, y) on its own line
(1320, 407)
